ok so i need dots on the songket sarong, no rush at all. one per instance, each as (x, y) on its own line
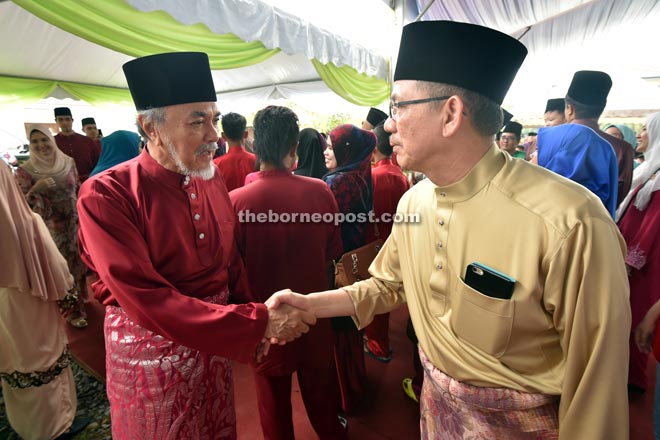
(454, 410)
(160, 390)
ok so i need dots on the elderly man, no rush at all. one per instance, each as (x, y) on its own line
(159, 231)
(518, 334)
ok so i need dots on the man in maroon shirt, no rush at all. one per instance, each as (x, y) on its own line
(159, 231)
(585, 101)
(288, 250)
(236, 163)
(389, 185)
(84, 151)
(91, 131)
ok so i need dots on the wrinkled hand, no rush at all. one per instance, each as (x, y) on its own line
(262, 350)
(644, 335)
(286, 323)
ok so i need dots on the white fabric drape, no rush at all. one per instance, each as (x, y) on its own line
(255, 20)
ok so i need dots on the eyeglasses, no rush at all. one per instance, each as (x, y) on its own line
(395, 106)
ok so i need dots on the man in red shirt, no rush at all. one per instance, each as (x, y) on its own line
(236, 163)
(389, 184)
(159, 231)
(285, 251)
(82, 149)
(91, 131)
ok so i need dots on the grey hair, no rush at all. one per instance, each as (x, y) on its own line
(155, 116)
(485, 113)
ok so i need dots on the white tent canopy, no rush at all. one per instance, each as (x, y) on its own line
(562, 35)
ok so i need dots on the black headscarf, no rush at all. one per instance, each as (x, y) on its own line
(311, 162)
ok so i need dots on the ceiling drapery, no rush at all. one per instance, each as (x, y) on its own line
(116, 25)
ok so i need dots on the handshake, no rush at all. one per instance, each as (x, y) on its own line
(289, 316)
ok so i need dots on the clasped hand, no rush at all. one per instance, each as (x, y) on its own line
(289, 317)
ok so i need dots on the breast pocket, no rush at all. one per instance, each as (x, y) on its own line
(480, 320)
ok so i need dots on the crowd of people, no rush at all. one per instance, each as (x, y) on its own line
(529, 279)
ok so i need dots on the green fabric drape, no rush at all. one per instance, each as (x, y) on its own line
(96, 95)
(23, 91)
(354, 87)
(117, 25)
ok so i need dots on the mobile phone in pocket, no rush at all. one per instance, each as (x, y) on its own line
(489, 281)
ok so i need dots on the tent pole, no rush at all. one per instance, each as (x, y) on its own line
(426, 8)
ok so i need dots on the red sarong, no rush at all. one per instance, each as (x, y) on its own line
(160, 390)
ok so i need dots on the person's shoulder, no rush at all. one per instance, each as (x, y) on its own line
(553, 198)
(310, 182)
(220, 160)
(85, 139)
(115, 180)
(418, 194)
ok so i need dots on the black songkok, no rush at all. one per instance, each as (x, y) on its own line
(590, 87)
(63, 111)
(169, 79)
(460, 54)
(555, 104)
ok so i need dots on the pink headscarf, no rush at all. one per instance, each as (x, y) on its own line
(56, 166)
(29, 259)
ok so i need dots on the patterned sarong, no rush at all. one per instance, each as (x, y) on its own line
(158, 389)
(454, 410)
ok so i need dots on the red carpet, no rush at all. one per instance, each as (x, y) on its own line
(386, 414)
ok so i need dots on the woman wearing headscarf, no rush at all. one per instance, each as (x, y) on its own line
(117, 147)
(37, 383)
(626, 133)
(639, 222)
(348, 158)
(311, 161)
(50, 183)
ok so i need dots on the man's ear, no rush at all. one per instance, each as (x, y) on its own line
(150, 130)
(245, 134)
(569, 111)
(453, 115)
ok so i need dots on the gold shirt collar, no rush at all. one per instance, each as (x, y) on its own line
(478, 177)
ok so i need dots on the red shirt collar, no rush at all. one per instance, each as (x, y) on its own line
(384, 161)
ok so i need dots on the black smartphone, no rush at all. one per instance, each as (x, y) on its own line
(489, 281)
